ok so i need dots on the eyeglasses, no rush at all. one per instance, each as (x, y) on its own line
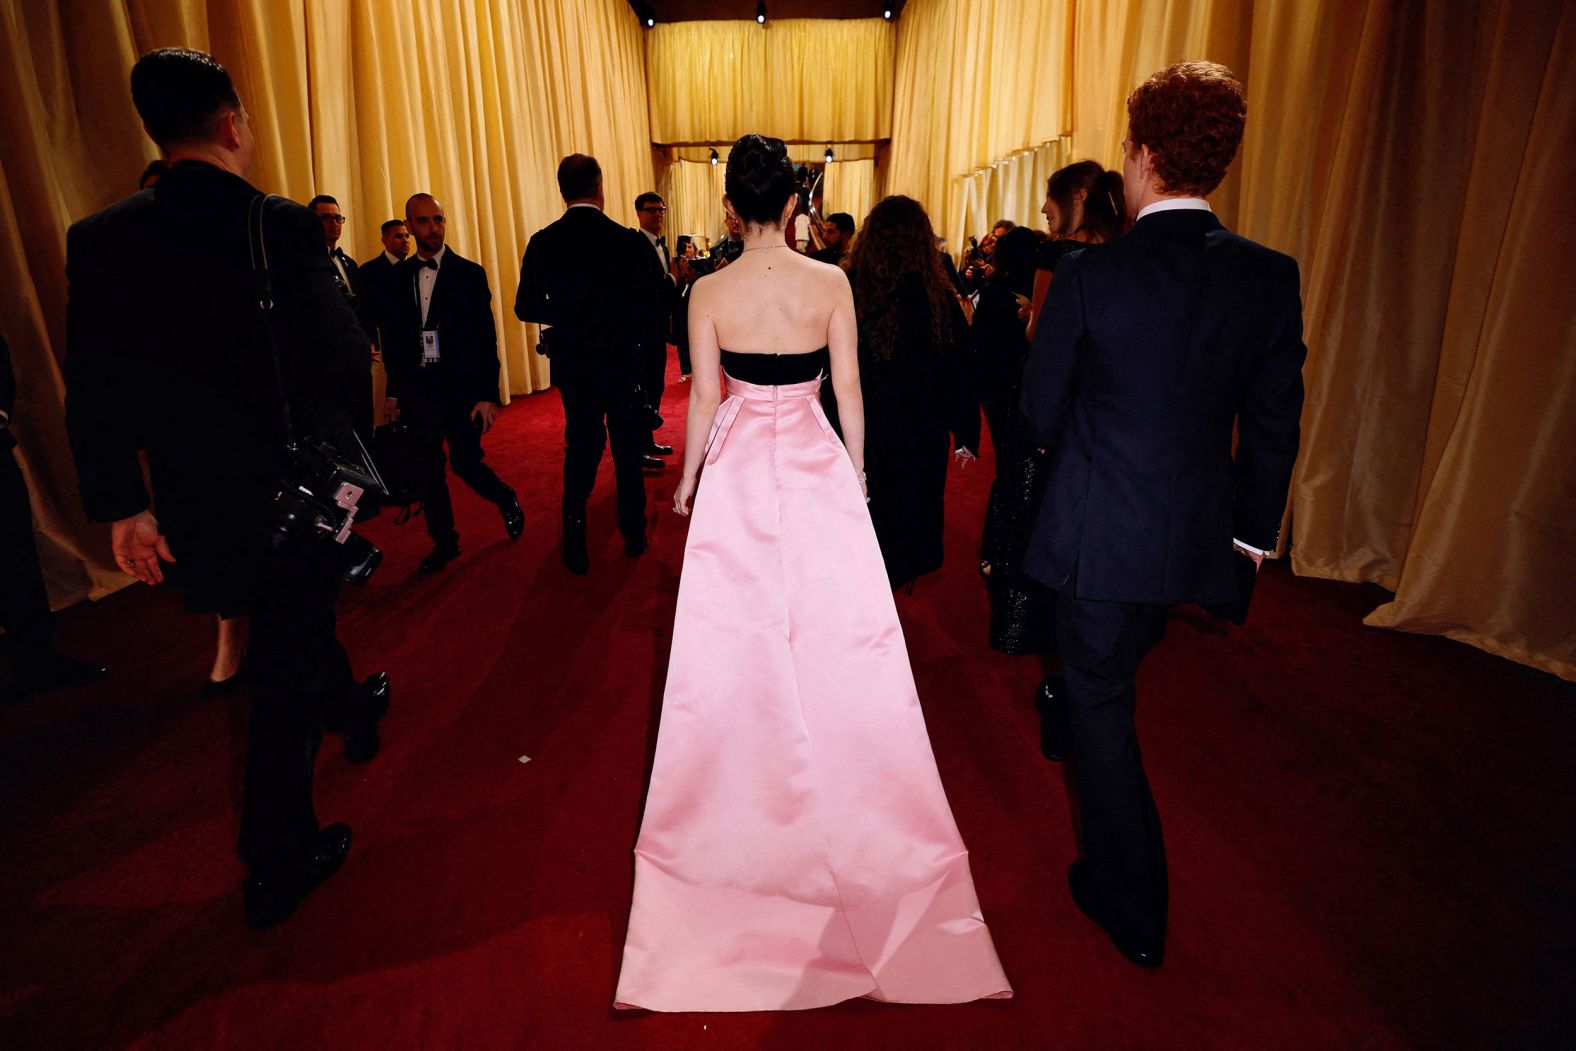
(332, 218)
(653, 207)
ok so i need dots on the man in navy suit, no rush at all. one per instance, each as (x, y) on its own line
(441, 357)
(1153, 348)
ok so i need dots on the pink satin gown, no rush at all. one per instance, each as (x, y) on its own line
(797, 848)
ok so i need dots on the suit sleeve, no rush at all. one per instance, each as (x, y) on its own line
(1269, 420)
(487, 364)
(102, 391)
(529, 304)
(1052, 366)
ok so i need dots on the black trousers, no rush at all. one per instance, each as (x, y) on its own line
(24, 605)
(300, 676)
(1101, 645)
(447, 421)
(654, 372)
(591, 422)
(682, 342)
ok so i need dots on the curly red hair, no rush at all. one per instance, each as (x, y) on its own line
(1191, 117)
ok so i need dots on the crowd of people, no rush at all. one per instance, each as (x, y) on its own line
(1110, 355)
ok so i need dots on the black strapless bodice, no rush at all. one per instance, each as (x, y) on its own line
(776, 370)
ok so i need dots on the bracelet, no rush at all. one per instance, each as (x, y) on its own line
(862, 479)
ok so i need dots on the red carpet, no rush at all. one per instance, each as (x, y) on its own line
(1370, 834)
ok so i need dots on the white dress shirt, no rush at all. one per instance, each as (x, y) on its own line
(661, 248)
(393, 259)
(426, 277)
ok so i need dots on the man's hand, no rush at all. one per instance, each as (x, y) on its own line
(488, 412)
(391, 409)
(722, 261)
(964, 456)
(138, 547)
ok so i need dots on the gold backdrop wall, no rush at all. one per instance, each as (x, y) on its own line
(472, 100)
(1414, 159)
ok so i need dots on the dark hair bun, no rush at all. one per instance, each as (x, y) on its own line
(760, 179)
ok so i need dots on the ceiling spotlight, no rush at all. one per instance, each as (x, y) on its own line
(760, 12)
(828, 157)
(886, 13)
(650, 22)
(714, 158)
(646, 14)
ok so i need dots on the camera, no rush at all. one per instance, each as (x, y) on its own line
(318, 501)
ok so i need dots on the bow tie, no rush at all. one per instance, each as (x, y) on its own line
(426, 264)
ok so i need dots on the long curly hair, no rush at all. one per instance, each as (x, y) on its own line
(895, 246)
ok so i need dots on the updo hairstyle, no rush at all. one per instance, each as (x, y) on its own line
(759, 180)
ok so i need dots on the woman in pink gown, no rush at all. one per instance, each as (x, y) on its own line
(797, 848)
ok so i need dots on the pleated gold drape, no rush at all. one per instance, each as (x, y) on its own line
(1413, 158)
(849, 186)
(473, 100)
(794, 79)
(693, 191)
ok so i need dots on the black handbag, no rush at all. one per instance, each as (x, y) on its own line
(406, 464)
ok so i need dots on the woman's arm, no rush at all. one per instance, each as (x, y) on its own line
(842, 338)
(705, 392)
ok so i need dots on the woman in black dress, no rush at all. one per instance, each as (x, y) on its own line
(917, 373)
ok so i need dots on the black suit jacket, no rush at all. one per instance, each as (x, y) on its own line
(1150, 348)
(461, 312)
(165, 352)
(356, 292)
(590, 279)
(374, 276)
(663, 295)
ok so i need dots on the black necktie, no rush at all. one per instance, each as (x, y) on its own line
(427, 264)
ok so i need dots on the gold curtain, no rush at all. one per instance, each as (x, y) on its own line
(849, 186)
(693, 191)
(1012, 188)
(473, 100)
(976, 81)
(807, 80)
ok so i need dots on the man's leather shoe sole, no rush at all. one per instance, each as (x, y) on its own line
(272, 897)
(659, 450)
(651, 463)
(1146, 952)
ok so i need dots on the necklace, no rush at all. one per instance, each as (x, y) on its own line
(762, 248)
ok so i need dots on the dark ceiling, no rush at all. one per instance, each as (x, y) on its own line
(701, 10)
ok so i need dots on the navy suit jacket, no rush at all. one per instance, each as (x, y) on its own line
(1150, 349)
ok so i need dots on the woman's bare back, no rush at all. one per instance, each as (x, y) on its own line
(773, 301)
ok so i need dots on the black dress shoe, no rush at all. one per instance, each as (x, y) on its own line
(439, 557)
(370, 705)
(659, 450)
(574, 546)
(513, 517)
(651, 463)
(1055, 735)
(273, 895)
(50, 670)
(1145, 950)
(635, 546)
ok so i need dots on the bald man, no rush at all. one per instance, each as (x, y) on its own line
(441, 355)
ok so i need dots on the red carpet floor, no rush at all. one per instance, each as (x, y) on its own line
(1370, 834)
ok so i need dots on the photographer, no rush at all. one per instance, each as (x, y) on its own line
(169, 351)
(978, 262)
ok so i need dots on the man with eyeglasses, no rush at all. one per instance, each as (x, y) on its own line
(651, 212)
(348, 281)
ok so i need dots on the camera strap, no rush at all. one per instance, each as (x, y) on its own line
(264, 288)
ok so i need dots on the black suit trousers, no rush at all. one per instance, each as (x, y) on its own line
(24, 605)
(446, 420)
(299, 676)
(1101, 645)
(654, 372)
(593, 419)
